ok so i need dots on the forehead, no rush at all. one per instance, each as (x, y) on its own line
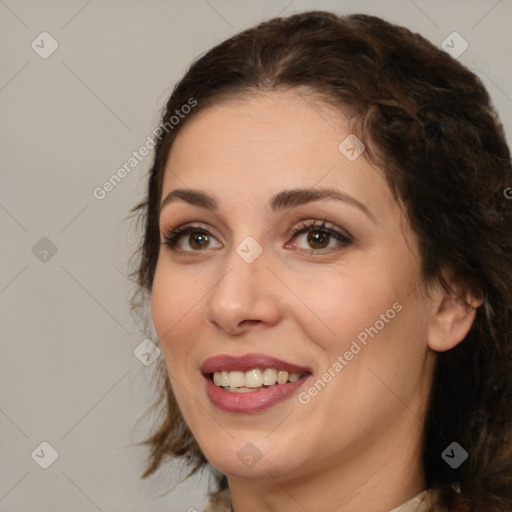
(264, 126)
(268, 142)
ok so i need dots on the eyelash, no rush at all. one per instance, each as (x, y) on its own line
(172, 237)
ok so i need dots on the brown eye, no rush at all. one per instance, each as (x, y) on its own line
(198, 239)
(319, 237)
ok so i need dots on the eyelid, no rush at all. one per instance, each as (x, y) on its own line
(173, 236)
(342, 236)
(323, 224)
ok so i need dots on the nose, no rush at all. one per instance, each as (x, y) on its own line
(244, 298)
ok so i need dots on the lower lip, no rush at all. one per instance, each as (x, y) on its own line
(252, 401)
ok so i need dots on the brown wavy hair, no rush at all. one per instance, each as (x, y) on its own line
(428, 122)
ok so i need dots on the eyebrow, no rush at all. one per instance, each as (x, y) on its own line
(284, 200)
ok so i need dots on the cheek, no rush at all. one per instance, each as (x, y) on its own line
(382, 341)
(376, 355)
(371, 310)
(346, 306)
(174, 300)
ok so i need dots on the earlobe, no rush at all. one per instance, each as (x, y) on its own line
(451, 320)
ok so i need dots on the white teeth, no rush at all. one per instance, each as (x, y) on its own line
(240, 390)
(254, 378)
(236, 379)
(242, 382)
(269, 377)
(282, 377)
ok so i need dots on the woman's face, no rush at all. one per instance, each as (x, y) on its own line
(339, 303)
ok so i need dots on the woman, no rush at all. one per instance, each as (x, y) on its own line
(328, 248)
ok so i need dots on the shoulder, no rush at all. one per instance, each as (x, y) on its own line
(427, 501)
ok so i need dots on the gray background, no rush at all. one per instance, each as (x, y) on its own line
(68, 374)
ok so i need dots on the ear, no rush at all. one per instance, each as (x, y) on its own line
(452, 315)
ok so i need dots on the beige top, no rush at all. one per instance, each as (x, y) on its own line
(419, 503)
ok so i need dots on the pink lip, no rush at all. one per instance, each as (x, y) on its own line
(248, 362)
(253, 401)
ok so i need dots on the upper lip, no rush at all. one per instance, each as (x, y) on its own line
(224, 362)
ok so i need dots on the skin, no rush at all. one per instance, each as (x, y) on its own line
(356, 445)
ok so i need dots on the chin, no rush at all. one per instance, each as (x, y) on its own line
(247, 458)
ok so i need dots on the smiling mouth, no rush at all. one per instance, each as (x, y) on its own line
(253, 380)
